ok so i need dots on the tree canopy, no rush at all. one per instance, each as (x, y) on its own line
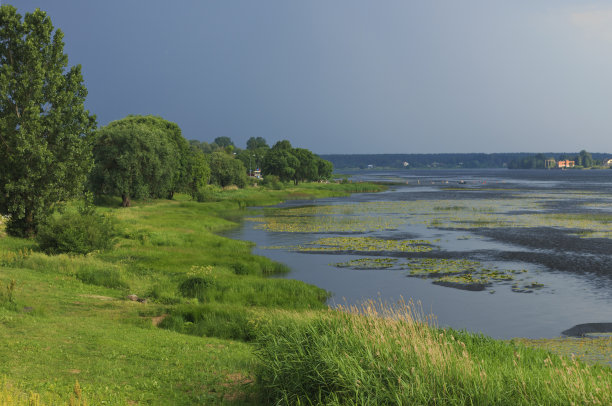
(224, 142)
(295, 164)
(137, 157)
(45, 154)
(226, 170)
(256, 143)
(198, 171)
(173, 134)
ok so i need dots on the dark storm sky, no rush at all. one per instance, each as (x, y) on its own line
(350, 76)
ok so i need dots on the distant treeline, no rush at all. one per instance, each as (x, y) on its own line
(582, 159)
(446, 161)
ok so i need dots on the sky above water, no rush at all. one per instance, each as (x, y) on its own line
(352, 76)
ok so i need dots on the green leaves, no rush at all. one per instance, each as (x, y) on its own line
(296, 164)
(45, 153)
(138, 157)
(225, 170)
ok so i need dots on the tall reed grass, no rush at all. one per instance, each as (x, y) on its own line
(393, 354)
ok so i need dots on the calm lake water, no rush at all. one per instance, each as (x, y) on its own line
(548, 229)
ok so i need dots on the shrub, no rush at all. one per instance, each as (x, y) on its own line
(228, 322)
(241, 268)
(208, 193)
(197, 286)
(76, 232)
(164, 293)
(272, 182)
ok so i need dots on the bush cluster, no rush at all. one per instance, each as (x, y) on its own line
(76, 232)
(273, 182)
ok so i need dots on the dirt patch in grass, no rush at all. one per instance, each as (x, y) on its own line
(157, 320)
(105, 298)
(238, 382)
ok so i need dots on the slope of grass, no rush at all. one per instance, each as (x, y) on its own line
(70, 318)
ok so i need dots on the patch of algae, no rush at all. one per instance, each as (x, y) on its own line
(590, 350)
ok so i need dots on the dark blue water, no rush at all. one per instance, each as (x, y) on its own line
(576, 272)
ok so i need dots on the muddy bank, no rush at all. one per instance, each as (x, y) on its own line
(582, 330)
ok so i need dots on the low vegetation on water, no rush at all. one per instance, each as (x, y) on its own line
(455, 273)
(519, 210)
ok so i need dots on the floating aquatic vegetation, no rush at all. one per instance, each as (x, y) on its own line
(459, 273)
(456, 273)
(517, 210)
(325, 224)
(277, 247)
(368, 263)
(465, 281)
(448, 208)
(429, 267)
(589, 350)
(359, 244)
(527, 288)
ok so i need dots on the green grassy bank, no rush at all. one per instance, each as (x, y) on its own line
(67, 319)
(213, 329)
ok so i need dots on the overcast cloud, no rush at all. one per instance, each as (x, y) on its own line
(352, 76)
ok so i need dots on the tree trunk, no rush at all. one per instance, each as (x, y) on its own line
(126, 201)
(30, 229)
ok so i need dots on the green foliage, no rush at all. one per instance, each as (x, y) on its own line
(584, 159)
(108, 277)
(45, 154)
(224, 142)
(231, 322)
(295, 164)
(7, 295)
(180, 174)
(137, 157)
(208, 193)
(307, 168)
(202, 146)
(251, 159)
(90, 330)
(272, 182)
(380, 355)
(280, 163)
(254, 144)
(324, 168)
(225, 170)
(76, 232)
(198, 172)
(537, 161)
(197, 286)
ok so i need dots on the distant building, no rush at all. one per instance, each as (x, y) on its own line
(550, 163)
(608, 162)
(406, 164)
(566, 164)
(257, 173)
(370, 166)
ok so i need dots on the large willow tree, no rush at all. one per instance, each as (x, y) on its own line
(44, 151)
(139, 157)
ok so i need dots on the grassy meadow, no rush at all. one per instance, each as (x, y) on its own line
(210, 328)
